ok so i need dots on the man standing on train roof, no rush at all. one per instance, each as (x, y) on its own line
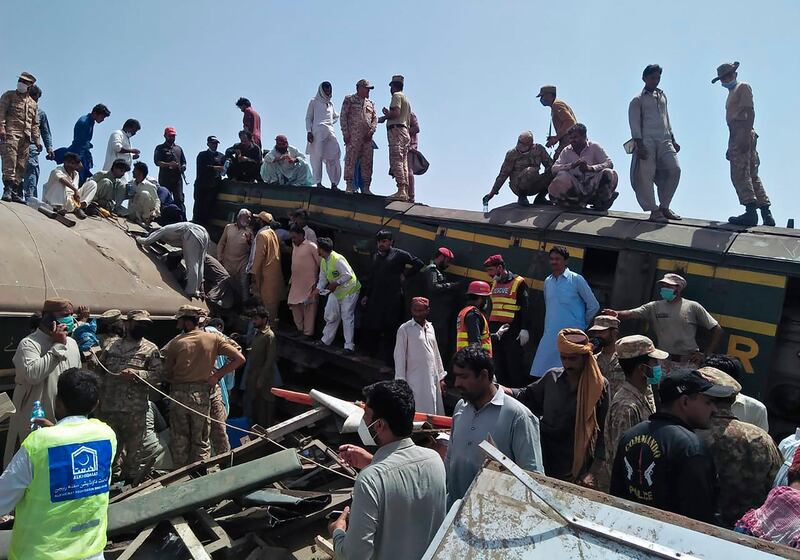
(210, 166)
(31, 180)
(397, 119)
(171, 163)
(19, 128)
(521, 166)
(569, 304)
(742, 153)
(359, 122)
(471, 324)
(510, 319)
(82, 139)
(323, 146)
(251, 120)
(655, 156)
(562, 117)
(674, 320)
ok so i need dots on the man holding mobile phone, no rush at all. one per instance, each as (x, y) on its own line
(40, 358)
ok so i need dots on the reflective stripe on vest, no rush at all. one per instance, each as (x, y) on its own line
(332, 274)
(462, 336)
(504, 300)
(64, 511)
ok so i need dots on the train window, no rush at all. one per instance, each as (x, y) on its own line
(599, 268)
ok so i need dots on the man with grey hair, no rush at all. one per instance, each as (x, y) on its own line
(674, 320)
(521, 166)
(233, 249)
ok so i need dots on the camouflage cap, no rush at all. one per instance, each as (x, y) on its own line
(604, 322)
(111, 315)
(725, 68)
(637, 345)
(139, 315)
(364, 83)
(719, 377)
(546, 89)
(189, 311)
(673, 280)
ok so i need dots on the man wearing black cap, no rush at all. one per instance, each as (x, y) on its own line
(661, 462)
(210, 165)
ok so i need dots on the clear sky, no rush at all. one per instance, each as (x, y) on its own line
(472, 71)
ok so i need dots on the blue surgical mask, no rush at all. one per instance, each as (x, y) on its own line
(655, 375)
(68, 321)
(667, 294)
(729, 85)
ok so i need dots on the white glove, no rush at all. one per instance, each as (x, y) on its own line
(523, 337)
(139, 240)
(502, 330)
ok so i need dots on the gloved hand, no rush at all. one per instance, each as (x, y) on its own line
(139, 240)
(523, 337)
(502, 330)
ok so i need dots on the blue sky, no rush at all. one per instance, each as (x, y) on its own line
(472, 71)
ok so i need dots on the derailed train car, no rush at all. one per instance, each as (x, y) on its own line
(749, 279)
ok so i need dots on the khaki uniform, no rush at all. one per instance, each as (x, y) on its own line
(124, 403)
(359, 121)
(747, 461)
(522, 170)
(563, 119)
(219, 436)
(19, 120)
(260, 403)
(742, 152)
(188, 363)
(611, 370)
(399, 140)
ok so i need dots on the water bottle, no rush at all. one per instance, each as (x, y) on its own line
(37, 412)
(225, 167)
(485, 207)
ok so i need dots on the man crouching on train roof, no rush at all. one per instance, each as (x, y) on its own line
(675, 319)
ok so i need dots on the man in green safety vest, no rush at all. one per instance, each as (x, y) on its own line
(337, 279)
(58, 481)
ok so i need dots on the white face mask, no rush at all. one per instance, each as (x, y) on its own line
(22, 87)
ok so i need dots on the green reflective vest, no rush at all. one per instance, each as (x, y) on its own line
(331, 273)
(63, 514)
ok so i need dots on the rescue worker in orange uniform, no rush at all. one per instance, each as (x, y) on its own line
(509, 319)
(471, 324)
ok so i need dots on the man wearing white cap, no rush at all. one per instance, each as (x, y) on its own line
(674, 320)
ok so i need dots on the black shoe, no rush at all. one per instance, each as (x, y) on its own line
(92, 210)
(17, 198)
(334, 187)
(766, 216)
(349, 352)
(6, 195)
(541, 199)
(748, 219)
(79, 213)
(523, 201)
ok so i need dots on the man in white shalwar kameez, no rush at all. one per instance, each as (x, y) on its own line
(193, 239)
(40, 358)
(322, 142)
(417, 359)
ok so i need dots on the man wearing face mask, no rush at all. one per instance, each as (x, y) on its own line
(661, 462)
(742, 153)
(359, 122)
(521, 165)
(322, 142)
(633, 402)
(399, 495)
(19, 128)
(124, 399)
(40, 358)
(674, 321)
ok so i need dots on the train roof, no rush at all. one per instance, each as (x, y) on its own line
(95, 263)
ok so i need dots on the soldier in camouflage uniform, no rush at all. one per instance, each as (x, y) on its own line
(189, 366)
(110, 327)
(746, 457)
(521, 165)
(359, 122)
(124, 401)
(19, 128)
(604, 333)
(633, 402)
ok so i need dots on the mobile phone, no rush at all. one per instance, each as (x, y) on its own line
(334, 514)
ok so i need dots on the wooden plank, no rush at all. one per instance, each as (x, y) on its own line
(222, 538)
(325, 546)
(131, 549)
(281, 430)
(190, 540)
(170, 501)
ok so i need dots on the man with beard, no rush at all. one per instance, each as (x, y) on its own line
(284, 165)
(171, 163)
(244, 158)
(322, 143)
(124, 399)
(382, 295)
(485, 410)
(233, 249)
(441, 295)
(268, 283)
(521, 166)
(603, 335)
(359, 122)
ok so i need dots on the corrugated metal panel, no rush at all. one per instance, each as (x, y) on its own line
(500, 518)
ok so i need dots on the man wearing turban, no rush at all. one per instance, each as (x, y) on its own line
(572, 402)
